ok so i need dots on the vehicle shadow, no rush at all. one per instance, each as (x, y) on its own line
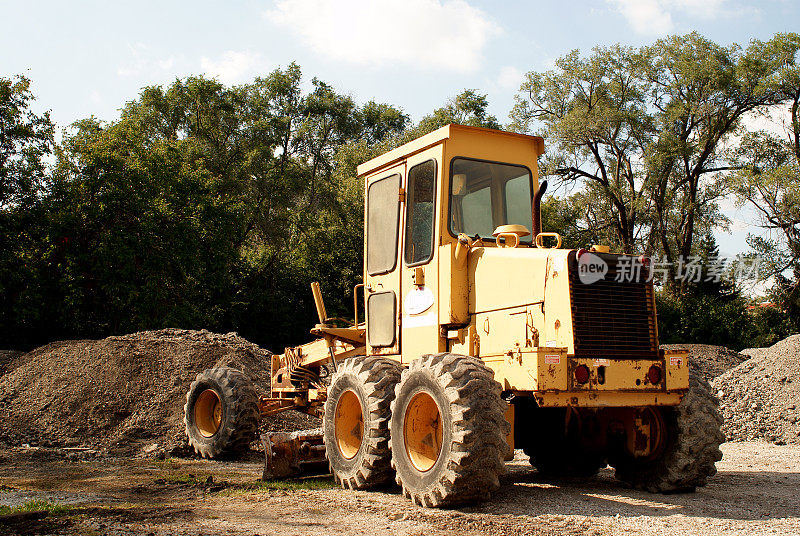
(734, 495)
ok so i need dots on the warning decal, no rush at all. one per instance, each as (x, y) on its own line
(552, 359)
(676, 361)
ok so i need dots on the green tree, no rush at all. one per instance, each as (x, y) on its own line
(769, 181)
(201, 206)
(711, 310)
(26, 142)
(26, 139)
(644, 131)
(467, 108)
(702, 91)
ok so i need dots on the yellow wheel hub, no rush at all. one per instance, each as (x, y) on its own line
(422, 431)
(349, 424)
(208, 413)
(648, 434)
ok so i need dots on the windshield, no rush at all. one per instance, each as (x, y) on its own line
(486, 195)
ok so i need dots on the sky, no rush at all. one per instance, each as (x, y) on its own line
(88, 58)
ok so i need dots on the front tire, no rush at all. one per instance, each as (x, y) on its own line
(448, 431)
(356, 421)
(221, 413)
(690, 450)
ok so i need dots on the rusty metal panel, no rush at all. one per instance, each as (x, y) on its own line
(677, 365)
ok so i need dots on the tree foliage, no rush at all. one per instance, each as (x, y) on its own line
(202, 205)
(645, 131)
(25, 141)
(769, 181)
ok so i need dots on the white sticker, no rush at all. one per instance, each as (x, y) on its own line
(418, 301)
(550, 344)
(419, 321)
(552, 359)
(601, 362)
(676, 361)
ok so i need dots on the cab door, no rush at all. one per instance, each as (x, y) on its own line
(420, 281)
(384, 200)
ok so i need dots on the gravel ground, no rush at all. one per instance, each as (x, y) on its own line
(121, 395)
(760, 398)
(754, 493)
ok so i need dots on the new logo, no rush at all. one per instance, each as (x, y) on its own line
(591, 268)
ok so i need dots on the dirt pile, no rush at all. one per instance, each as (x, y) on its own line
(9, 360)
(709, 361)
(759, 399)
(122, 394)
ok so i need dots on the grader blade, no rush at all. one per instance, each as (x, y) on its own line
(294, 454)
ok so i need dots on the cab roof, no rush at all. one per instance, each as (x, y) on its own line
(434, 138)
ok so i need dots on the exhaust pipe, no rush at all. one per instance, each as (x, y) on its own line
(537, 209)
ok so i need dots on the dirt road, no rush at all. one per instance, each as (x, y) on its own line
(755, 492)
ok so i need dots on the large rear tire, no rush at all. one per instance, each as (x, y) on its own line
(356, 421)
(448, 431)
(690, 449)
(221, 413)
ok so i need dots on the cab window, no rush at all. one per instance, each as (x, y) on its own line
(485, 195)
(420, 213)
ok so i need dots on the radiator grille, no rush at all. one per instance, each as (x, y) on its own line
(611, 318)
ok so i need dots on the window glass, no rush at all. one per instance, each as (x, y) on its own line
(420, 213)
(477, 219)
(383, 210)
(486, 195)
(518, 201)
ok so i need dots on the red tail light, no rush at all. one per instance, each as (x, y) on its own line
(582, 374)
(654, 375)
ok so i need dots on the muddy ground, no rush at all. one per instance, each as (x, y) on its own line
(755, 492)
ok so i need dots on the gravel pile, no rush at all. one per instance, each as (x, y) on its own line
(709, 361)
(759, 399)
(9, 360)
(121, 395)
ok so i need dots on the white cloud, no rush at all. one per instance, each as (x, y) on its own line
(233, 66)
(706, 9)
(142, 63)
(444, 34)
(655, 17)
(510, 78)
(645, 16)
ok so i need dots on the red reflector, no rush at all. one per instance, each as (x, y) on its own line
(582, 374)
(654, 375)
(581, 253)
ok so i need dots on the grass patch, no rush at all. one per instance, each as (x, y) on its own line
(170, 464)
(34, 505)
(311, 483)
(188, 479)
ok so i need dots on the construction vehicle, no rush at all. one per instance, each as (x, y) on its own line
(482, 334)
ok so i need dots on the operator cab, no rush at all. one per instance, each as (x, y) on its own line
(457, 181)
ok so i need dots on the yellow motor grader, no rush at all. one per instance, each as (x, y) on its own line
(482, 334)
